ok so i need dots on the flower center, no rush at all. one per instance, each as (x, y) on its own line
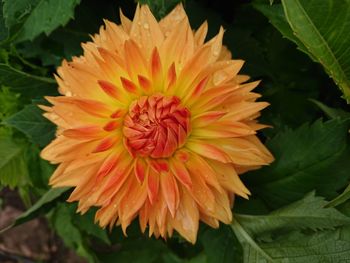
(156, 126)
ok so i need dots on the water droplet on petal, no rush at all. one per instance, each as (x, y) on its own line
(146, 26)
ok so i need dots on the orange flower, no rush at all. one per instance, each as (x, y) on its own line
(155, 123)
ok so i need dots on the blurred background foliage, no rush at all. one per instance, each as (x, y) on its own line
(299, 209)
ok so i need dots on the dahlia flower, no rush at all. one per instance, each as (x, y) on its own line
(153, 122)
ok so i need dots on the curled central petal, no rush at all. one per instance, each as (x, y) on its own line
(156, 126)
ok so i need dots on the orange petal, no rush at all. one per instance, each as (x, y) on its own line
(135, 62)
(159, 165)
(145, 83)
(182, 155)
(91, 107)
(117, 114)
(244, 110)
(108, 165)
(109, 88)
(181, 172)
(206, 118)
(187, 218)
(201, 33)
(140, 169)
(170, 191)
(156, 69)
(96, 108)
(201, 192)
(208, 150)
(84, 133)
(105, 144)
(132, 201)
(128, 85)
(111, 126)
(153, 185)
(171, 77)
(229, 179)
(198, 165)
(168, 22)
(126, 22)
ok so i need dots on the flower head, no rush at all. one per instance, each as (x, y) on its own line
(155, 123)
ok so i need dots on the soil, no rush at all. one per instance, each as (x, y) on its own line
(30, 242)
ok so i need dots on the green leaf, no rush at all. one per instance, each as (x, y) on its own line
(323, 27)
(4, 32)
(220, 245)
(26, 84)
(44, 204)
(26, 19)
(307, 158)
(86, 223)
(72, 237)
(331, 112)
(13, 168)
(31, 122)
(9, 102)
(309, 212)
(298, 247)
(276, 17)
(288, 234)
(141, 250)
(39, 170)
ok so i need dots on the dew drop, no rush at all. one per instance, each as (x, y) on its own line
(69, 94)
(146, 26)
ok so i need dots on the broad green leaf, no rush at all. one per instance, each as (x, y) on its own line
(31, 122)
(331, 112)
(220, 245)
(40, 170)
(343, 197)
(310, 212)
(65, 42)
(71, 235)
(307, 158)
(87, 224)
(9, 102)
(276, 17)
(44, 204)
(323, 27)
(294, 233)
(141, 250)
(299, 247)
(26, 84)
(26, 19)
(13, 168)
